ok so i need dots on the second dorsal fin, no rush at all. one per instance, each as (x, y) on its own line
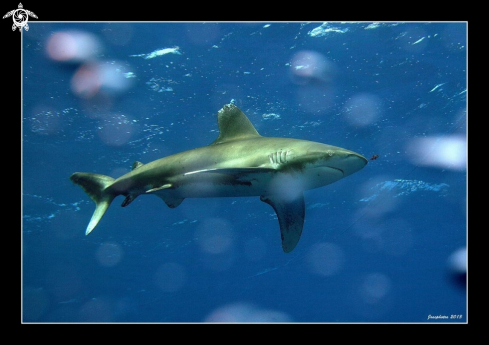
(136, 164)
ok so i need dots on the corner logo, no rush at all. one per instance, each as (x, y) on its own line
(20, 17)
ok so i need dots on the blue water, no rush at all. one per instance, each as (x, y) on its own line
(386, 244)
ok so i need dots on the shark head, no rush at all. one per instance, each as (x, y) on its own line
(301, 165)
(317, 164)
(336, 158)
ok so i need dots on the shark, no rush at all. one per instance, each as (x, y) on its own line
(239, 163)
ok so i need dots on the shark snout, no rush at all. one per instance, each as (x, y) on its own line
(352, 163)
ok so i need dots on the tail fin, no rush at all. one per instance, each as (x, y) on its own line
(95, 185)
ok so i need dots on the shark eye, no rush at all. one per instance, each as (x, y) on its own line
(329, 153)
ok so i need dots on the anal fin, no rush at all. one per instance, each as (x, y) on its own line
(130, 198)
(290, 215)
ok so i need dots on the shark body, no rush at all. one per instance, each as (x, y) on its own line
(240, 162)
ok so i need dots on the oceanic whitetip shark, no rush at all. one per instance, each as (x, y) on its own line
(240, 162)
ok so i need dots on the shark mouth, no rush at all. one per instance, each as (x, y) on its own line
(336, 169)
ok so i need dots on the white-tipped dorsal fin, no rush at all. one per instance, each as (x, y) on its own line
(233, 125)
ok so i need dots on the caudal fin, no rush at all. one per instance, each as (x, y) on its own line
(95, 185)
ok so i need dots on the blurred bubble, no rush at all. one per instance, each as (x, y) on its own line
(215, 236)
(62, 224)
(362, 109)
(155, 151)
(64, 281)
(457, 265)
(110, 77)
(170, 277)
(315, 98)
(397, 237)
(193, 207)
(374, 288)
(392, 236)
(118, 172)
(203, 33)
(246, 312)
(314, 73)
(115, 129)
(458, 261)
(375, 191)
(447, 152)
(460, 121)
(255, 249)
(96, 107)
(63, 313)
(96, 310)
(45, 121)
(372, 241)
(371, 296)
(325, 259)
(109, 254)
(369, 230)
(86, 82)
(118, 33)
(218, 262)
(454, 37)
(73, 46)
(35, 303)
(310, 66)
(286, 187)
(126, 305)
(413, 40)
(207, 188)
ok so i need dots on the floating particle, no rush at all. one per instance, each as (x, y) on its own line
(159, 52)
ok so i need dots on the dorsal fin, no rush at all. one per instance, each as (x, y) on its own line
(136, 165)
(233, 125)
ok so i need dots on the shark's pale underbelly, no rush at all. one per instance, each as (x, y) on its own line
(222, 185)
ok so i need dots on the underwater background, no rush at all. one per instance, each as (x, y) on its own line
(387, 244)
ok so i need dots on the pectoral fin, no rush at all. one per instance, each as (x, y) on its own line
(290, 215)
